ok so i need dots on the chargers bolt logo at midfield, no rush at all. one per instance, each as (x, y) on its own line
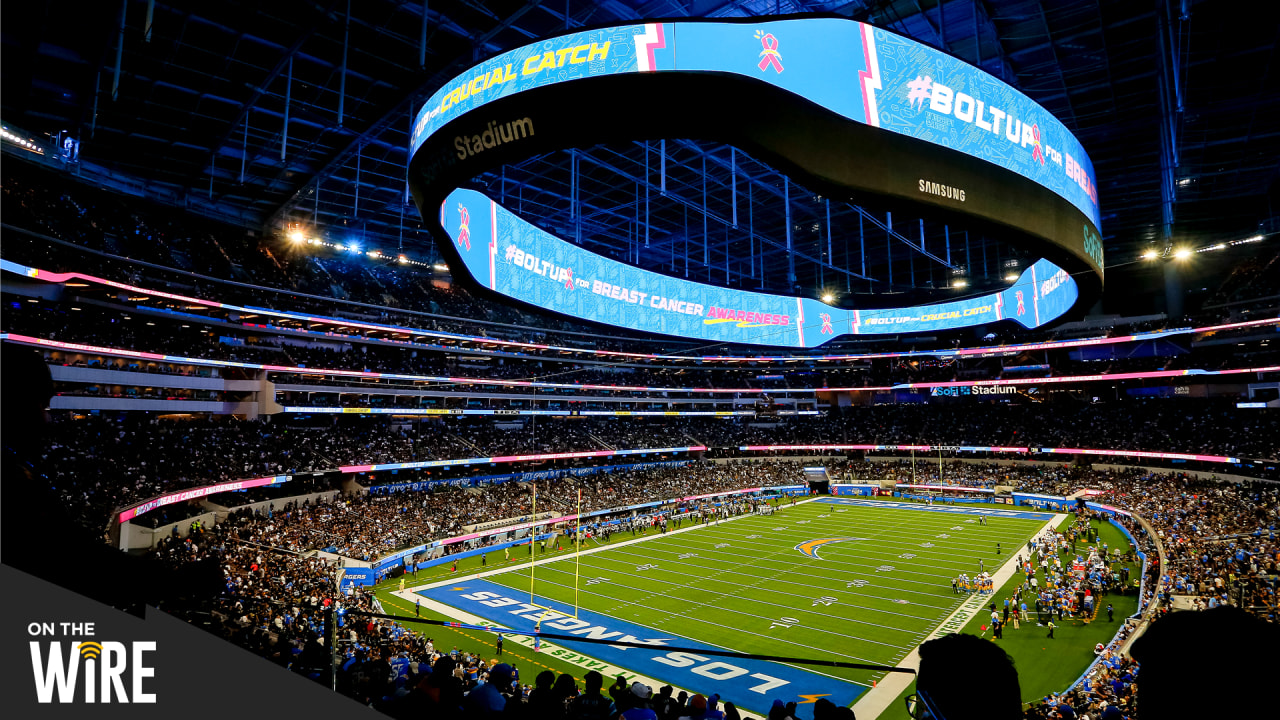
(810, 547)
(464, 227)
(769, 55)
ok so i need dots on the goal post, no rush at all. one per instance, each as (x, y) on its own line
(533, 558)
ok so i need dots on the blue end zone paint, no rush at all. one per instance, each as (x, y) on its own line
(752, 684)
(949, 509)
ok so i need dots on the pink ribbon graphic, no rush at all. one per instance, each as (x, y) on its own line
(568, 278)
(826, 324)
(464, 232)
(1022, 309)
(769, 56)
(1035, 152)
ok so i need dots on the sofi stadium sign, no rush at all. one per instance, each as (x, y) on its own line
(849, 108)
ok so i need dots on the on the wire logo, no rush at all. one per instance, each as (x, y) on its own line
(87, 671)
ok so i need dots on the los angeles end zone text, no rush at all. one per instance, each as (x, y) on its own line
(885, 94)
(748, 585)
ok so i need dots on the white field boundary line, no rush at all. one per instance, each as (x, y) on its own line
(705, 621)
(640, 602)
(958, 566)
(916, 634)
(936, 592)
(824, 589)
(775, 552)
(708, 546)
(586, 551)
(876, 700)
(896, 552)
(711, 525)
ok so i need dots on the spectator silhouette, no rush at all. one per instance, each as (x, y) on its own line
(964, 677)
(1175, 682)
(31, 505)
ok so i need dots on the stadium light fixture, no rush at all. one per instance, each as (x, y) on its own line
(296, 236)
(1150, 255)
(828, 298)
(959, 283)
(353, 247)
(439, 267)
(403, 259)
(1011, 277)
(1181, 254)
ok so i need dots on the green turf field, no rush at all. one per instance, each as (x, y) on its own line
(743, 585)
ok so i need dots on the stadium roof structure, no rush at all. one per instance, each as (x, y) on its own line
(300, 111)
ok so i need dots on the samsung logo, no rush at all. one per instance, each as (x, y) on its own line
(940, 190)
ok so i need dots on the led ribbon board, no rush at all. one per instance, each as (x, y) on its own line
(517, 259)
(853, 109)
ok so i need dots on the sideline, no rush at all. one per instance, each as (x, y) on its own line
(878, 699)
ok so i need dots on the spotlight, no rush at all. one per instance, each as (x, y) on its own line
(959, 283)
(296, 236)
(1181, 254)
(828, 298)
(439, 267)
(353, 247)
(1011, 277)
(1150, 255)
(403, 259)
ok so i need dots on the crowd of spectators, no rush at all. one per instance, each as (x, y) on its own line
(276, 596)
(111, 460)
(1218, 538)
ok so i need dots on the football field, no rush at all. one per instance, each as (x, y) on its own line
(833, 579)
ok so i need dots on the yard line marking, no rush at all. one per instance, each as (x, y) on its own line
(652, 579)
(826, 577)
(863, 551)
(704, 621)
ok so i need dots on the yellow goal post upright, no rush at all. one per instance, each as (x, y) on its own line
(533, 557)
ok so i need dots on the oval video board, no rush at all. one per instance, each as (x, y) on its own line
(851, 109)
